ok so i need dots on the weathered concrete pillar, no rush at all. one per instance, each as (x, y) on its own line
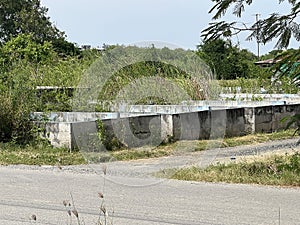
(59, 134)
(166, 127)
(218, 123)
(263, 119)
(249, 120)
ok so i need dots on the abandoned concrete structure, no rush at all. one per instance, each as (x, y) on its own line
(152, 125)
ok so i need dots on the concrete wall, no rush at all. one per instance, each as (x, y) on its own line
(289, 98)
(59, 134)
(139, 130)
(84, 135)
(191, 126)
(70, 117)
(70, 134)
(235, 122)
(268, 118)
(161, 109)
(209, 124)
(237, 103)
(134, 131)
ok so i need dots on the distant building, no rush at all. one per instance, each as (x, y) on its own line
(266, 63)
(86, 47)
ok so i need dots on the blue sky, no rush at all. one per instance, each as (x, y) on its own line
(178, 22)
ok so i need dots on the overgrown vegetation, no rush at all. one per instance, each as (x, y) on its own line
(273, 170)
(38, 154)
(228, 61)
(154, 69)
(284, 85)
(33, 53)
(26, 65)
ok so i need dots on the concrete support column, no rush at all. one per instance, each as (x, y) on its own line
(166, 127)
(250, 120)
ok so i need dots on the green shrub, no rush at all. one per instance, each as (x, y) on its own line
(17, 102)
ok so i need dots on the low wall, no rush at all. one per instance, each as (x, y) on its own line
(161, 109)
(133, 130)
(268, 118)
(70, 134)
(209, 124)
(59, 134)
(70, 117)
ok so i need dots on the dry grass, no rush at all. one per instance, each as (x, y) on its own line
(38, 155)
(277, 169)
(105, 216)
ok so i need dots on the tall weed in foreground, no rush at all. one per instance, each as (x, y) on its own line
(103, 217)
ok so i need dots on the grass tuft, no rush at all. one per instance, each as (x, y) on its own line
(281, 170)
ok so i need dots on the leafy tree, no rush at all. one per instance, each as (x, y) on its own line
(23, 50)
(65, 48)
(227, 60)
(25, 16)
(23, 47)
(280, 27)
(289, 65)
(271, 55)
(29, 17)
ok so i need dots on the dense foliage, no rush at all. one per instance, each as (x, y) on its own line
(29, 17)
(162, 76)
(227, 60)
